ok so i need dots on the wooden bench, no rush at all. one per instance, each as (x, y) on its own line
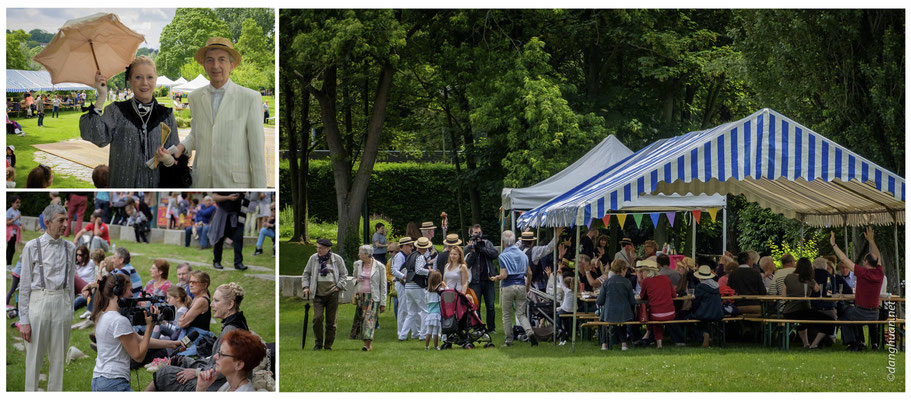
(611, 325)
(790, 325)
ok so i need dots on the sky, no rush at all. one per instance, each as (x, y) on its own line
(147, 22)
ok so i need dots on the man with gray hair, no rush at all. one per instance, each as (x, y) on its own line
(46, 295)
(227, 128)
(183, 277)
(516, 277)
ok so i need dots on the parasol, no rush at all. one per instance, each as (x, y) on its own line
(99, 42)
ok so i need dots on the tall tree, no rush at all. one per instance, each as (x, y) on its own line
(235, 17)
(186, 33)
(15, 43)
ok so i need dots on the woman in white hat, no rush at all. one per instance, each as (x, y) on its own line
(659, 292)
(707, 302)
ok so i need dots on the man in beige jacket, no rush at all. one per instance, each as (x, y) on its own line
(227, 128)
(323, 279)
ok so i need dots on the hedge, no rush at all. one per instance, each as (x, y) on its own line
(33, 203)
(401, 192)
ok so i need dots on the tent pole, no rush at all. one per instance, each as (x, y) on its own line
(554, 274)
(694, 239)
(845, 218)
(512, 213)
(895, 279)
(724, 226)
(576, 283)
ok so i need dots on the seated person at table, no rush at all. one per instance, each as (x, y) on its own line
(746, 281)
(182, 377)
(618, 301)
(802, 284)
(659, 292)
(706, 302)
(866, 295)
(826, 282)
(589, 274)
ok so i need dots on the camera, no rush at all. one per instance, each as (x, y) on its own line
(135, 308)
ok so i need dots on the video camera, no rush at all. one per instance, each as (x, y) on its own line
(135, 308)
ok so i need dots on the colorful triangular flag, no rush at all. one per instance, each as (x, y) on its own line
(638, 219)
(589, 223)
(606, 220)
(654, 217)
(670, 217)
(713, 212)
(622, 219)
(697, 214)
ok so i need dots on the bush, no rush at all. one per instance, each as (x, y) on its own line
(182, 122)
(33, 203)
(401, 192)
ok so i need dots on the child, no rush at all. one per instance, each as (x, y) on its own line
(707, 302)
(138, 221)
(432, 321)
(177, 297)
(566, 307)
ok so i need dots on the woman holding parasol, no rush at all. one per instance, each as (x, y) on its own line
(138, 129)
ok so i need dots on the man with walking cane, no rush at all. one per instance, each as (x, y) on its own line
(324, 277)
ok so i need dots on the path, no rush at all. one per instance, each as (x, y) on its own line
(269, 275)
(78, 157)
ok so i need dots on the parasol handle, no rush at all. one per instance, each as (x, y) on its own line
(92, 46)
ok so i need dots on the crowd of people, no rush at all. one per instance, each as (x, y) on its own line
(56, 277)
(656, 285)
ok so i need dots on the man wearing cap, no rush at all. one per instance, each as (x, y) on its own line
(516, 278)
(535, 254)
(479, 255)
(46, 293)
(428, 230)
(324, 277)
(227, 128)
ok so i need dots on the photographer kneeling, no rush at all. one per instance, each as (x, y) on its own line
(181, 376)
(117, 342)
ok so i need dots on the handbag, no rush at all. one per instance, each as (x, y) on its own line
(177, 175)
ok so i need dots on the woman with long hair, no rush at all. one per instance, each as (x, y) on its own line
(116, 340)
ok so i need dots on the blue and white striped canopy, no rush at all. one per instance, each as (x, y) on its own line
(766, 156)
(18, 81)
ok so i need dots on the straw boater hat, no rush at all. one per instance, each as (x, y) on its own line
(217, 43)
(647, 264)
(704, 272)
(423, 243)
(452, 239)
(626, 241)
(405, 240)
(428, 225)
(528, 236)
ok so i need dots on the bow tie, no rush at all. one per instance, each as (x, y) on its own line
(213, 90)
(51, 240)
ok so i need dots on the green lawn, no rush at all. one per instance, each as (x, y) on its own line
(59, 129)
(405, 366)
(258, 307)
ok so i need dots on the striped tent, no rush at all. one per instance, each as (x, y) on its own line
(19, 81)
(766, 156)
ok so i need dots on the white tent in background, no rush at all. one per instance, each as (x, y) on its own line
(180, 81)
(164, 81)
(190, 86)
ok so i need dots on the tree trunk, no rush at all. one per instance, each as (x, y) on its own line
(304, 182)
(474, 195)
(291, 133)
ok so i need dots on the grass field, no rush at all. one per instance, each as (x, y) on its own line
(59, 129)
(258, 307)
(405, 366)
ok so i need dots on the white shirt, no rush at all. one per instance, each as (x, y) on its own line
(217, 95)
(113, 361)
(59, 270)
(87, 273)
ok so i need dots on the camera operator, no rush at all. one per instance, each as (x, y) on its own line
(479, 255)
(117, 342)
(228, 222)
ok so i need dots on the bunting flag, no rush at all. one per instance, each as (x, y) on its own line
(670, 217)
(638, 219)
(654, 217)
(589, 223)
(696, 215)
(620, 217)
(713, 212)
(606, 220)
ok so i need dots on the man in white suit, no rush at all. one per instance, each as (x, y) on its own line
(227, 128)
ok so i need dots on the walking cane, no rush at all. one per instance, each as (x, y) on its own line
(306, 318)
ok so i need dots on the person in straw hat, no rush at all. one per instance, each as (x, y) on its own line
(707, 302)
(410, 271)
(452, 240)
(428, 230)
(516, 278)
(227, 126)
(659, 292)
(527, 243)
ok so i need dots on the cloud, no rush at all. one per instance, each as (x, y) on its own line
(148, 22)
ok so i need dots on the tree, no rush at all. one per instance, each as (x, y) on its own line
(258, 67)
(15, 42)
(235, 17)
(187, 32)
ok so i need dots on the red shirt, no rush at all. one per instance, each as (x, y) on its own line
(869, 284)
(660, 294)
(104, 232)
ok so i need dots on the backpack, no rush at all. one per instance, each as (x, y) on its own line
(411, 276)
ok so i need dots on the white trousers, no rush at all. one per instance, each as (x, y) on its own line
(416, 301)
(402, 311)
(50, 314)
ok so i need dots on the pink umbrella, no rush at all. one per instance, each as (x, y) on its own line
(99, 42)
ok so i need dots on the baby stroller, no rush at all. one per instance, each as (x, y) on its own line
(460, 322)
(540, 311)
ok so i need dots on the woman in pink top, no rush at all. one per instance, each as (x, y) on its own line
(159, 284)
(370, 295)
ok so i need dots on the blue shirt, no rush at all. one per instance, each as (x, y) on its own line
(102, 196)
(204, 214)
(10, 214)
(516, 264)
(135, 280)
(381, 239)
